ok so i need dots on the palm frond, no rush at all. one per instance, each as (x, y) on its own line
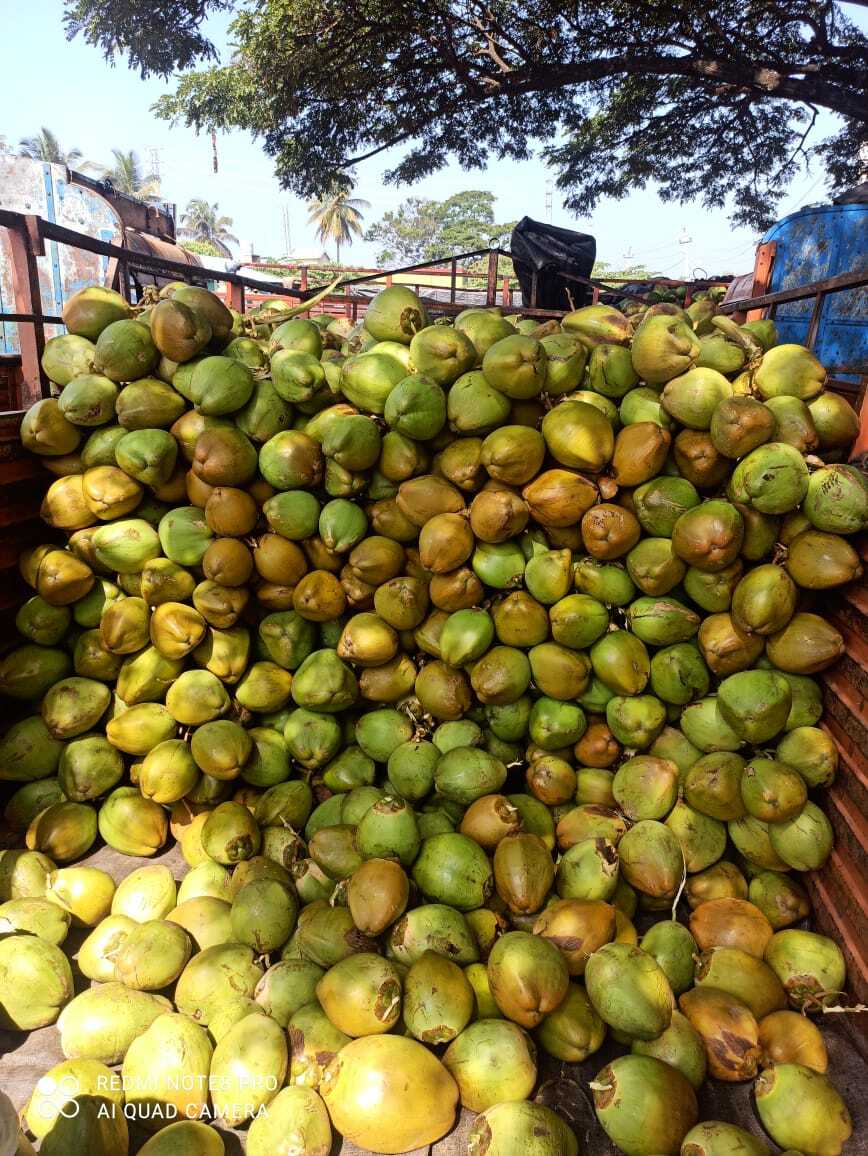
(45, 146)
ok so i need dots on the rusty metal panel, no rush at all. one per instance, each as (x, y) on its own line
(134, 213)
(28, 186)
(156, 247)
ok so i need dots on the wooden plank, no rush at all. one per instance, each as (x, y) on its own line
(53, 232)
(852, 754)
(13, 513)
(762, 274)
(236, 297)
(10, 549)
(800, 293)
(857, 596)
(22, 469)
(853, 634)
(847, 693)
(28, 299)
(838, 924)
(48, 318)
(491, 282)
(849, 825)
(814, 323)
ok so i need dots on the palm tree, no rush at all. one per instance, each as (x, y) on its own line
(46, 147)
(337, 216)
(126, 175)
(203, 222)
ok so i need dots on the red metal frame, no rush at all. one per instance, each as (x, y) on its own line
(28, 233)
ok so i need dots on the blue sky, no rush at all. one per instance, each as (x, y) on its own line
(90, 105)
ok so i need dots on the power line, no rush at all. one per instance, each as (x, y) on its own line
(656, 249)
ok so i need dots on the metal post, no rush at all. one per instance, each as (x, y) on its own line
(491, 286)
(814, 324)
(236, 296)
(453, 279)
(25, 243)
(762, 275)
(122, 275)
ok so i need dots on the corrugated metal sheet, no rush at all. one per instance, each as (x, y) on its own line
(156, 247)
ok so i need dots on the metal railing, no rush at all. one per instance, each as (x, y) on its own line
(819, 291)
(28, 234)
(497, 284)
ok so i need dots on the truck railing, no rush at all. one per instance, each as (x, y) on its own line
(28, 234)
(838, 892)
(766, 304)
(499, 285)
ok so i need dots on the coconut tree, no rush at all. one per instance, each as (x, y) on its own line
(127, 175)
(46, 147)
(203, 222)
(338, 217)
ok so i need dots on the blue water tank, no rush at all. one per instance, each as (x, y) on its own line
(813, 244)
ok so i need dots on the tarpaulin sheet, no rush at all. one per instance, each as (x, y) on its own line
(550, 252)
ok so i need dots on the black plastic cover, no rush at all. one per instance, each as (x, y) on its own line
(550, 251)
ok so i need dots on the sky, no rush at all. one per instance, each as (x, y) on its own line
(95, 107)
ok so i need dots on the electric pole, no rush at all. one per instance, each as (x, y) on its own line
(154, 162)
(287, 235)
(685, 240)
(550, 188)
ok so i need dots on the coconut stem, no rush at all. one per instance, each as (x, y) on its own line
(680, 890)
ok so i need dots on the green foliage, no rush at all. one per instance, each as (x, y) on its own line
(337, 216)
(202, 221)
(204, 248)
(422, 230)
(129, 28)
(715, 102)
(603, 271)
(320, 275)
(45, 146)
(127, 175)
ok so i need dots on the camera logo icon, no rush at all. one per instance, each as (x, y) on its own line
(59, 1097)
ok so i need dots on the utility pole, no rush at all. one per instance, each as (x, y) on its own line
(550, 188)
(685, 240)
(154, 162)
(287, 235)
